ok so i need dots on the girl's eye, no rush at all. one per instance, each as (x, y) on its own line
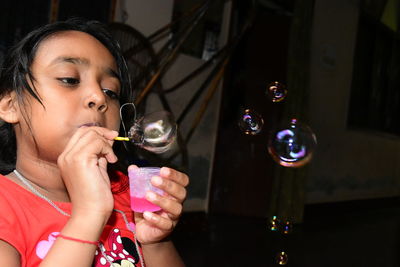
(111, 94)
(68, 80)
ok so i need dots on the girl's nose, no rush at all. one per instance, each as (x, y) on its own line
(96, 99)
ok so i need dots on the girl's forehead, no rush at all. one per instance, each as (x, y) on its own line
(73, 44)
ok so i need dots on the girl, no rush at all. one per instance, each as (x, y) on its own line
(61, 88)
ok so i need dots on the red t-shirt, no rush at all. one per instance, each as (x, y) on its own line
(29, 224)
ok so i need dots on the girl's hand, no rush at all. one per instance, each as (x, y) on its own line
(152, 227)
(83, 168)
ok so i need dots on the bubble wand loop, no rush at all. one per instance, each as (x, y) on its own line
(121, 138)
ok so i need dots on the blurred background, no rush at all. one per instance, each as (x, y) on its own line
(213, 64)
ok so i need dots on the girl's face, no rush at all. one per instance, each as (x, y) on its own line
(76, 79)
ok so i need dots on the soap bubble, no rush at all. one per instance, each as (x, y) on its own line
(276, 91)
(293, 146)
(287, 227)
(154, 132)
(282, 258)
(251, 122)
(274, 223)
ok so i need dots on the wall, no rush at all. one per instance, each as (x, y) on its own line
(348, 164)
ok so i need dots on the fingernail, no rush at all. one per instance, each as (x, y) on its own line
(157, 180)
(132, 167)
(114, 133)
(165, 171)
(147, 214)
(151, 196)
(150, 216)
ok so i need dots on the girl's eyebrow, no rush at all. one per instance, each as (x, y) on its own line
(113, 73)
(83, 61)
(73, 60)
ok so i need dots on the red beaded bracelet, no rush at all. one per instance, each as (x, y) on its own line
(96, 243)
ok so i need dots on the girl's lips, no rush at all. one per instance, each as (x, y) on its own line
(89, 124)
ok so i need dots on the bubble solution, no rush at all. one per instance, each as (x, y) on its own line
(139, 184)
(142, 205)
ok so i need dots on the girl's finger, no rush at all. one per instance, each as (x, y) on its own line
(158, 221)
(175, 190)
(172, 207)
(90, 143)
(175, 176)
(103, 132)
(132, 167)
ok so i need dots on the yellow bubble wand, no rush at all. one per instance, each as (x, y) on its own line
(121, 138)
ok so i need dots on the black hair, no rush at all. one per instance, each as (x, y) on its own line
(16, 74)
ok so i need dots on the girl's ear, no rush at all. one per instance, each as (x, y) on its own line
(9, 108)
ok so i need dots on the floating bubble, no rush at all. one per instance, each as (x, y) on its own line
(293, 146)
(274, 224)
(287, 227)
(276, 91)
(251, 122)
(282, 258)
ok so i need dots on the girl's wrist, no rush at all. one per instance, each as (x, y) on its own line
(91, 214)
(161, 253)
(87, 226)
(95, 243)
